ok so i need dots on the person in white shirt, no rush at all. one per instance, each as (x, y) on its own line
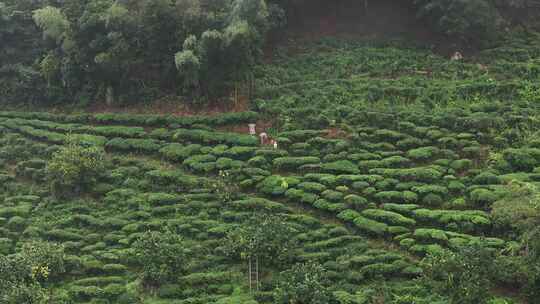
(264, 137)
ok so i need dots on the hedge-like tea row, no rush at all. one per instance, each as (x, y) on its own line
(107, 131)
(214, 137)
(51, 137)
(139, 120)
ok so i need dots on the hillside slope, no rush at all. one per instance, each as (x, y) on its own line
(386, 154)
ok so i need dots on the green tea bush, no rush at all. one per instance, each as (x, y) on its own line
(396, 196)
(401, 208)
(291, 163)
(423, 154)
(270, 154)
(179, 152)
(133, 145)
(341, 167)
(396, 162)
(482, 197)
(360, 185)
(161, 199)
(16, 223)
(301, 135)
(383, 269)
(214, 137)
(486, 178)
(357, 202)
(370, 226)
(456, 186)
(389, 217)
(240, 153)
(276, 185)
(384, 134)
(430, 235)
(312, 187)
(387, 184)
(364, 156)
(175, 178)
(433, 200)
(522, 159)
(348, 215)
(259, 162)
(333, 196)
(419, 174)
(260, 204)
(6, 246)
(409, 143)
(366, 165)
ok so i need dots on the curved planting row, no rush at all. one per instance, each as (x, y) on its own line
(136, 196)
(138, 119)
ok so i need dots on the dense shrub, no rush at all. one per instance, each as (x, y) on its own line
(396, 196)
(162, 256)
(389, 217)
(422, 154)
(486, 178)
(214, 137)
(302, 284)
(133, 145)
(300, 135)
(522, 159)
(475, 21)
(294, 162)
(464, 276)
(433, 200)
(341, 167)
(23, 275)
(482, 197)
(75, 166)
(179, 152)
(265, 237)
(312, 187)
(276, 185)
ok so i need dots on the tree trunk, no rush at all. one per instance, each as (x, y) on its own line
(109, 96)
(366, 6)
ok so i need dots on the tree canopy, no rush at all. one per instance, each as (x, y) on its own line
(139, 50)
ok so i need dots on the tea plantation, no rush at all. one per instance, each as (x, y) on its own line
(399, 177)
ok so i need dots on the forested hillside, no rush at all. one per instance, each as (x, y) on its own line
(335, 152)
(85, 51)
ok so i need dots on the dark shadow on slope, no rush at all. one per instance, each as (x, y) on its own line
(361, 19)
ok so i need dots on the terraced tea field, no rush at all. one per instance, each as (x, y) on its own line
(365, 203)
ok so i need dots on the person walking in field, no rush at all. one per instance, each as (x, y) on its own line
(264, 138)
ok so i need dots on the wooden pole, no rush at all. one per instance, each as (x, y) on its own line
(257, 273)
(249, 274)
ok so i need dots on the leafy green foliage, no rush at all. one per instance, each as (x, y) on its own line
(303, 284)
(22, 275)
(162, 256)
(477, 19)
(463, 275)
(52, 21)
(265, 238)
(75, 166)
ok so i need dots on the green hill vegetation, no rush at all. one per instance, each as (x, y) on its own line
(399, 176)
